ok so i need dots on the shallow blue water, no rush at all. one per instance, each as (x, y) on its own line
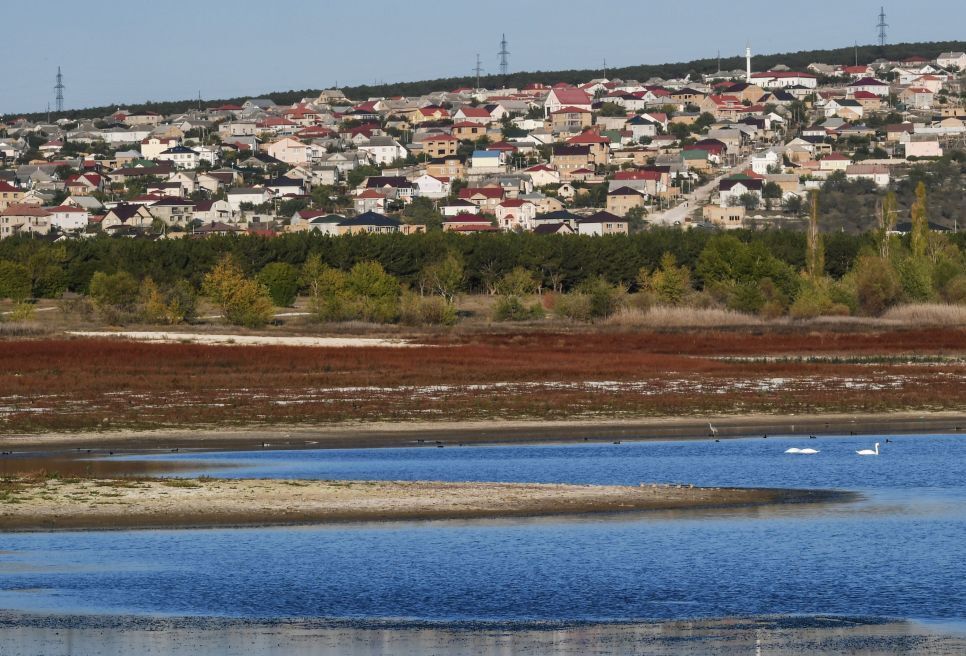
(899, 553)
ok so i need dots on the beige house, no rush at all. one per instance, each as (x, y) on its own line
(570, 119)
(289, 150)
(450, 168)
(132, 216)
(602, 223)
(622, 200)
(24, 219)
(9, 195)
(440, 146)
(725, 217)
(567, 159)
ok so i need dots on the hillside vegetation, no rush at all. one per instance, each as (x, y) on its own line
(642, 72)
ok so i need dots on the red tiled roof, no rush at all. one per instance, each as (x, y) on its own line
(571, 96)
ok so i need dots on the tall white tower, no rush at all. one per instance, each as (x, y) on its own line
(748, 64)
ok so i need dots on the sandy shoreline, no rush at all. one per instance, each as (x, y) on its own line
(401, 434)
(24, 634)
(177, 503)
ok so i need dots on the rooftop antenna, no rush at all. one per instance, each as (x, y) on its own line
(504, 54)
(605, 68)
(856, 53)
(882, 26)
(478, 70)
(59, 88)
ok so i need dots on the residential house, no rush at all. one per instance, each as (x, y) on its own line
(155, 145)
(623, 199)
(253, 196)
(289, 150)
(728, 218)
(486, 161)
(428, 186)
(554, 229)
(542, 175)
(173, 211)
(566, 96)
(784, 79)
(877, 173)
(383, 150)
(68, 218)
(485, 198)
(468, 223)
(513, 213)
(181, 156)
(731, 189)
(9, 195)
(459, 206)
(212, 211)
(834, 162)
(762, 162)
(468, 114)
(955, 60)
(599, 146)
(127, 215)
(369, 200)
(468, 131)
(869, 84)
(24, 219)
(567, 159)
(602, 223)
(922, 145)
(917, 97)
(571, 119)
(370, 222)
(450, 168)
(440, 146)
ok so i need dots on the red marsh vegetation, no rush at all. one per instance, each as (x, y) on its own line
(78, 384)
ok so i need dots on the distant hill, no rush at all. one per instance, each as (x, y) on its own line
(794, 60)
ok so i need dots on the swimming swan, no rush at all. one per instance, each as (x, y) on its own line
(802, 452)
(869, 452)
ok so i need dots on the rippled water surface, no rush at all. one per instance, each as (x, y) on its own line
(899, 552)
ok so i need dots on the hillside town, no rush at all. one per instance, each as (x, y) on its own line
(739, 148)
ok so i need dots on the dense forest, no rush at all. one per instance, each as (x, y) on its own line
(558, 261)
(794, 60)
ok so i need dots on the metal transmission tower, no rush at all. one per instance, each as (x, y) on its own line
(882, 26)
(504, 54)
(478, 70)
(59, 88)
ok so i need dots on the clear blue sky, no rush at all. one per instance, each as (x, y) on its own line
(124, 52)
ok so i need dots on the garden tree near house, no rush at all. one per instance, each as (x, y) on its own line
(444, 278)
(670, 283)
(749, 201)
(422, 211)
(794, 205)
(771, 191)
(703, 121)
(243, 301)
(635, 218)
(282, 281)
(611, 109)
(356, 176)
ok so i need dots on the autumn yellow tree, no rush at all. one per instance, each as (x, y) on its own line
(243, 301)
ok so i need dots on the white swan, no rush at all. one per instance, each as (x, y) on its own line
(869, 452)
(802, 452)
